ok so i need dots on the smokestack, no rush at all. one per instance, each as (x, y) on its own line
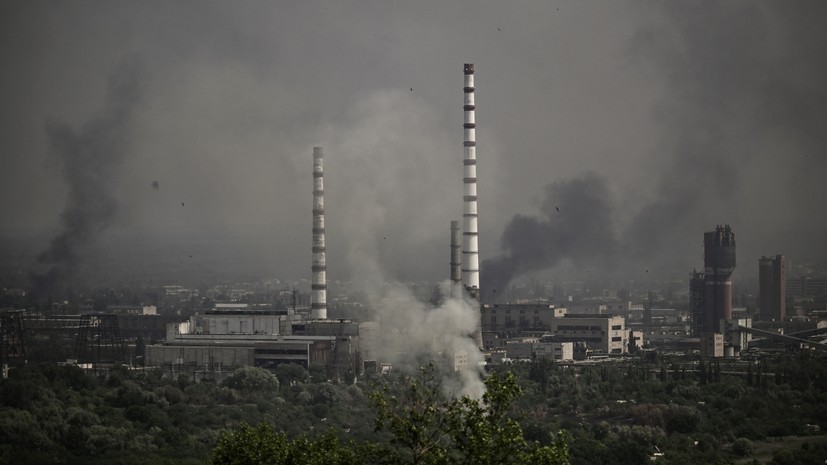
(470, 239)
(318, 294)
(456, 260)
(470, 236)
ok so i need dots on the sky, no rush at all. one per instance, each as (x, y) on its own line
(610, 135)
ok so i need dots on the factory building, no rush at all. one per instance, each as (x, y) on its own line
(546, 347)
(806, 288)
(602, 334)
(333, 345)
(238, 334)
(712, 345)
(557, 351)
(772, 286)
(519, 317)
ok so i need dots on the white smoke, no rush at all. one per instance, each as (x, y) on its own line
(389, 168)
(413, 331)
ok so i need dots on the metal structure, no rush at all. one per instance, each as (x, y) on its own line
(318, 295)
(696, 301)
(456, 259)
(12, 342)
(772, 288)
(719, 263)
(99, 340)
(470, 239)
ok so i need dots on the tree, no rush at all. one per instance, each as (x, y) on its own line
(252, 378)
(426, 427)
(434, 429)
(743, 447)
(290, 374)
(262, 445)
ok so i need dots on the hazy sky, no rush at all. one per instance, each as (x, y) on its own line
(661, 118)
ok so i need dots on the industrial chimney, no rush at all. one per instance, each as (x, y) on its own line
(470, 239)
(318, 294)
(470, 234)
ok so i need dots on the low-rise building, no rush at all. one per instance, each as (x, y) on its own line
(603, 334)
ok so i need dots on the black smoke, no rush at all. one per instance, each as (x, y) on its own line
(742, 139)
(89, 157)
(575, 222)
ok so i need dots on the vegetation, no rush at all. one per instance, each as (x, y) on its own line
(676, 410)
(425, 426)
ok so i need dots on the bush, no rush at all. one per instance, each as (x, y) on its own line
(743, 447)
(252, 379)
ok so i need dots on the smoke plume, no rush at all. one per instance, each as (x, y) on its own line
(413, 330)
(379, 226)
(574, 223)
(89, 159)
(740, 140)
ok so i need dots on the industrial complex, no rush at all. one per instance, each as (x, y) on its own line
(266, 330)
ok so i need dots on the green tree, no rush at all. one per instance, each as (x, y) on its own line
(252, 379)
(425, 427)
(433, 429)
(262, 445)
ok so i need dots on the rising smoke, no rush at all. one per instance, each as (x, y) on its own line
(413, 330)
(574, 223)
(741, 140)
(89, 158)
(390, 142)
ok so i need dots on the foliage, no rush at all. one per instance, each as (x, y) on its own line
(433, 429)
(252, 379)
(262, 445)
(615, 412)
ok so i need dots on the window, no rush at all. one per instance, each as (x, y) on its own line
(616, 339)
(616, 327)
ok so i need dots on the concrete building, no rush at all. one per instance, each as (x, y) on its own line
(235, 338)
(519, 317)
(557, 351)
(807, 288)
(772, 286)
(521, 348)
(529, 348)
(712, 345)
(132, 309)
(603, 334)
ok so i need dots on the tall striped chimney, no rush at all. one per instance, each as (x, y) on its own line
(470, 242)
(470, 235)
(318, 294)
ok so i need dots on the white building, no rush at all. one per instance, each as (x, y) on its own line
(603, 334)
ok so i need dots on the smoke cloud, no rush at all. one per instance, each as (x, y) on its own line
(412, 330)
(740, 140)
(89, 158)
(389, 141)
(574, 223)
